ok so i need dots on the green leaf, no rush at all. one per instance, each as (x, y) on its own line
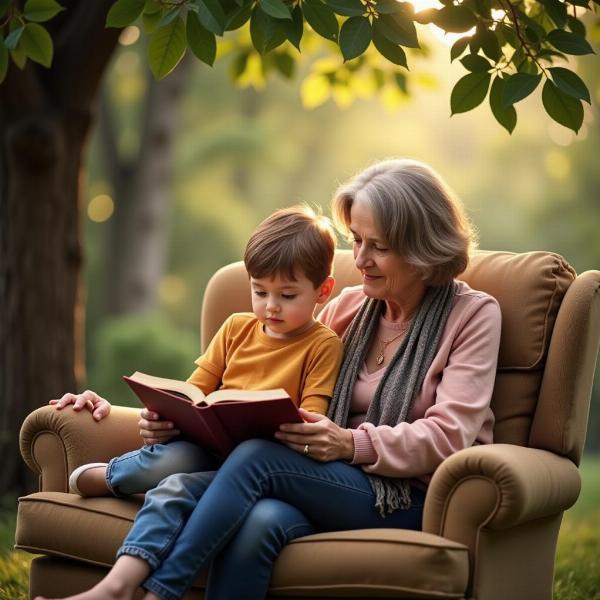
(426, 16)
(124, 12)
(211, 15)
(401, 83)
(347, 8)
(19, 58)
(239, 17)
(355, 37)
(570, 83)
(398, 29)
(13, 38)
(519, 86)
(167, 47)
(295, 29)
(321, 18)
(557, 11)
(37, 44)
(3, 60)
(150, 21)
(509, 34)
(169, 16)
(388, 7)
(528, 66)
(576, 26)
(392, 52)
(469, 92)
(41, 10)
(455, 19)
(490, 45)
(266, 32)
(201, 41)
(285, 64)
(569, 43)
(459, 46)
(564, 109)
(475, 63)
(276, 9)
(238, 66)
(505, 115)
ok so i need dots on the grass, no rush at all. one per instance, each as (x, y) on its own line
(577, 575)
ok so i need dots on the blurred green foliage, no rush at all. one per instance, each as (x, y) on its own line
(148, 343)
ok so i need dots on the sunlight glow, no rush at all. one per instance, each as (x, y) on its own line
(100, 208)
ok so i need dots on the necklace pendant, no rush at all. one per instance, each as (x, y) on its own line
(379, 359)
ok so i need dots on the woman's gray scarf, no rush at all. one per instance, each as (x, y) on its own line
(401, 381)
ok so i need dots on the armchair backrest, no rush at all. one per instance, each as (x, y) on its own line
(550, 334)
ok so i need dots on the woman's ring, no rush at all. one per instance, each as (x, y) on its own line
(306, 449)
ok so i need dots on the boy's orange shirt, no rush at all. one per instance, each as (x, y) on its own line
(243, 356)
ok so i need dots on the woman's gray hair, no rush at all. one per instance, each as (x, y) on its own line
(417, 214)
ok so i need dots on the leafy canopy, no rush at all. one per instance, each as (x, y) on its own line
(509, 48)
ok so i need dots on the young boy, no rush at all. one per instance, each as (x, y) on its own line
(280, 344)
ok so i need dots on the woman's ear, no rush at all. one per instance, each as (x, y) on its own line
(325, 290)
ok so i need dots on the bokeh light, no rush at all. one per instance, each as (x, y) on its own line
(100, 208)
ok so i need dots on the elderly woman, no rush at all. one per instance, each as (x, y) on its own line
(420, 352)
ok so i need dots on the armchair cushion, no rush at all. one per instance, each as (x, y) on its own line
(383, 562)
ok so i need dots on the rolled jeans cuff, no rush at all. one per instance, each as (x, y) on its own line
(150, 558)
(151, 585)
(107, 476)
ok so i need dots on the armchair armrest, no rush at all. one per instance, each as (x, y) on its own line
(497, 486)
(54, 442)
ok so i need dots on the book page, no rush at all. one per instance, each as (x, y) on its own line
(244, 395)
(190, 391)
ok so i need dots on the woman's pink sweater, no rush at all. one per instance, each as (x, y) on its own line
(452, 411)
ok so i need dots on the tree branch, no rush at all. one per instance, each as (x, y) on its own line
(83, 48)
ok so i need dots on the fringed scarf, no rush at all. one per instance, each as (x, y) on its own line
(401, 381)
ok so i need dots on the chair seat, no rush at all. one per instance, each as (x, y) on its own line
(376, 563)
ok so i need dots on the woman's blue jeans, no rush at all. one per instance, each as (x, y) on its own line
(141, 470)
(238, 519)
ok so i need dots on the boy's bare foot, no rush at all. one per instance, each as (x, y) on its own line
(89, 480)
(102, 591)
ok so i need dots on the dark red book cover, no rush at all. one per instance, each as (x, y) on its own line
(220, 426)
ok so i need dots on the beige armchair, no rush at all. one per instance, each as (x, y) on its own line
(492, 513)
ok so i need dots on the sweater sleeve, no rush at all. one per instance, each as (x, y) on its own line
(457, 412)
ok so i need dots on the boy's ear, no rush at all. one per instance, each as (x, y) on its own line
(325, 290)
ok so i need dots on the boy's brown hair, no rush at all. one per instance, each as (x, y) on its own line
(292, 241)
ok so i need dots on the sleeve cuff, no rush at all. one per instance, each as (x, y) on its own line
(364, 452)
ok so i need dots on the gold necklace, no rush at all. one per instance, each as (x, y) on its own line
(383, 345)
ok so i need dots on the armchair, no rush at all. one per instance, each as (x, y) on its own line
(492, 513)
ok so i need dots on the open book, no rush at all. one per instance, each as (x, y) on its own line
(220, 420)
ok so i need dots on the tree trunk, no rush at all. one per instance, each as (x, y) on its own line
(44, 119)
(139, 229)
(40, 259)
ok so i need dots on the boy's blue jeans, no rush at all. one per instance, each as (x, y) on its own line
(141, 470)
(238, 519)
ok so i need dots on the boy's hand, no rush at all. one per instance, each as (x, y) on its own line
(153, 430)
(98, 406)
(324, 440)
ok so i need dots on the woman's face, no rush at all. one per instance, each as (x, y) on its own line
(386, 275)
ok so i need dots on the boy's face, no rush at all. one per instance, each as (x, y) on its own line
(286, 307)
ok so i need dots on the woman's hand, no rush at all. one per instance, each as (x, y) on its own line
(153, 430)
(325, 440)
(98, 406)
